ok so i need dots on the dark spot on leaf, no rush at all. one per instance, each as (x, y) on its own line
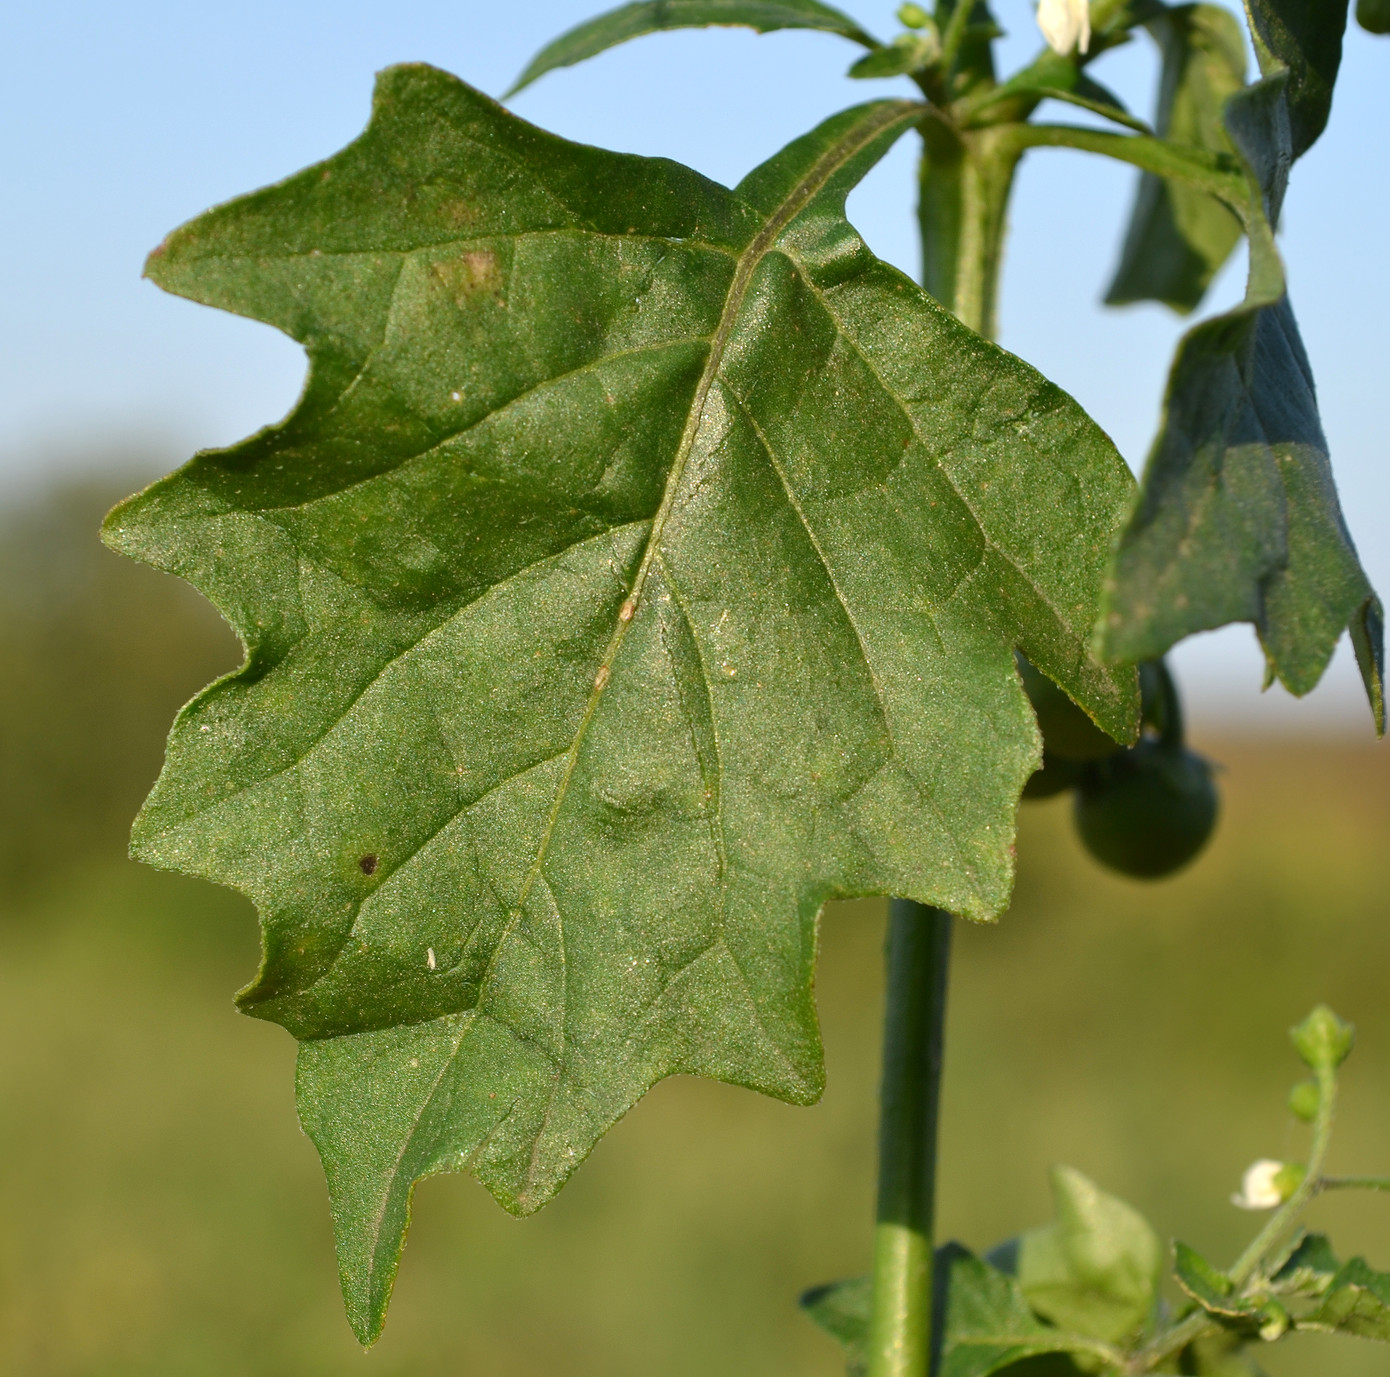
(367, 865)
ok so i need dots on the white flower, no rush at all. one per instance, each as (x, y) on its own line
(1066, 24)
(1260, 1188)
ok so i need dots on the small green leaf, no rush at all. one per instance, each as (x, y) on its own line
(1237, 518)
(990, 1327)
(597, 35)
(1095, 1269)
(1309, 1268)
(1179, 236)
(1304, 36)
(642, 567)
(1357, 1301)
(844, 1309)
(907, 53)
(1214, 1291)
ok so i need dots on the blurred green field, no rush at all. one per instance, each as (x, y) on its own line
(160, 1212)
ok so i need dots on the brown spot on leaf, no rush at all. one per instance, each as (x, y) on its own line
(473, 273)
(367, 865)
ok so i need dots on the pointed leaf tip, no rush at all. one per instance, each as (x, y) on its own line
(606, 31)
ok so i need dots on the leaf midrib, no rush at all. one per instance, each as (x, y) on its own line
(801, 194)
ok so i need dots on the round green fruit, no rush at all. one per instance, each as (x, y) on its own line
(1066, 730)
(1147, 811)
(1373, 15)
(1056, 776)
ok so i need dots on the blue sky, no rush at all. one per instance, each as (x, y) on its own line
(118, 122)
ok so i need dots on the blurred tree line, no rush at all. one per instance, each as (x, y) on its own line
(99, 654)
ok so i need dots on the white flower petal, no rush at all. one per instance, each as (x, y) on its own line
(1066, 24)
(1259, 1189)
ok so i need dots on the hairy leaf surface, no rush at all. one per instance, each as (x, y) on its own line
(1178, 235)
(606, 31)
(641, 568)
(1237, 518)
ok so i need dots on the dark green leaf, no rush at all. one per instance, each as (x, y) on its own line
(844, 1309)
(1357, 1301)
(641, 568)
(990, 1328)
(656, 16)
(1237, 518)
(1304, 36)
(1179, 236)
(1309, 1268)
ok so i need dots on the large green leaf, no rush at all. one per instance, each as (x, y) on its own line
(1237, 518)
(1304, 37)
(1179, 236)
(655, 16)
(641, 568)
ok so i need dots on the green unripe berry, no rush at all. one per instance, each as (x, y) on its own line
(1373, 15)
(1066, 730)
(1305, 1099)
(1323, 1040)
(913, 17)
(1057, 775)
(1147, 811)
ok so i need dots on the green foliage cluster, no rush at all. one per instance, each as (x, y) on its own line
(645, 565)
(1084, 1289)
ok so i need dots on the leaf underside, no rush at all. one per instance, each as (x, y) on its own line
(1237, 517)
(1178, 235)
(641, 568)
(606, 31)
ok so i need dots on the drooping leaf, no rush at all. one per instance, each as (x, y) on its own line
(844, 1309)
(1304, 37)
(641, 568)
(606, 31)
(1178, 235)
(990, 1328)
(1055, 76)
(1095, 1269)
(1237, 518)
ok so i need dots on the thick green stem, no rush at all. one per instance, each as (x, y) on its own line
(963, 197)
(900, 1336)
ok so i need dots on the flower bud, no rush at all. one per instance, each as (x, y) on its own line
(1274, 1320)
(1305, 1099)
(1066, 24)
(1323, 1040)
(1267, 1184)
(913, 17)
